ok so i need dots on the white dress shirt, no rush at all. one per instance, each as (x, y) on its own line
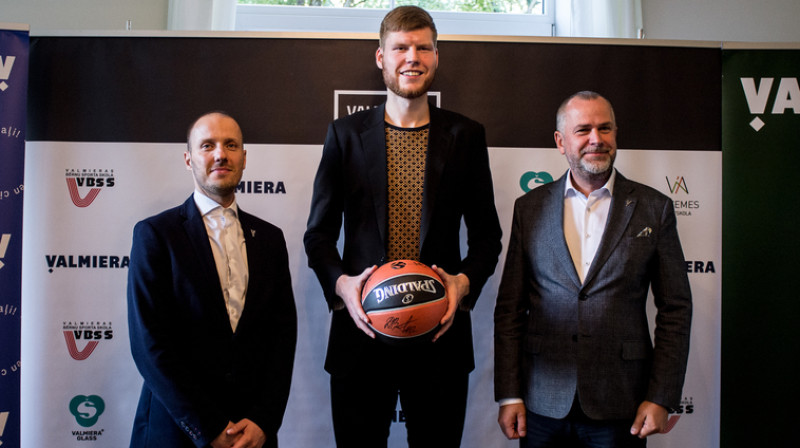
(585, 221)
(230, 254)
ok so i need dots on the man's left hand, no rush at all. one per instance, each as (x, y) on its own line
(651, 418)
(249, 434)
(456, 287)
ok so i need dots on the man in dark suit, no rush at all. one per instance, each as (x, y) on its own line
(402, 176)
(211, 312)
(571, 332)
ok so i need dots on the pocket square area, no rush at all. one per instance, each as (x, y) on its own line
(644, 233)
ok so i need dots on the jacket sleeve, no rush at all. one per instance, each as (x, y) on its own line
(510, 317)
(480, 216)
(151, 323)
(325, 219)
(673, 300)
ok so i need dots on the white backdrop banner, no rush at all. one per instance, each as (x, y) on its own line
(81, 387)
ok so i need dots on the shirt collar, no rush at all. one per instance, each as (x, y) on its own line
(609, 185)
(205, 204)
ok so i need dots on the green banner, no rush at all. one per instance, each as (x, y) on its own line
(760, 308)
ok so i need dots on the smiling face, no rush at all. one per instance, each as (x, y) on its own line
(216, 156)
(587, 136)
(408, 60)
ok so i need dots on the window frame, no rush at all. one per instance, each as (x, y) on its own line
(362, 20)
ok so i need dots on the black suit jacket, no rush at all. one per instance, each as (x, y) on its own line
(555, 336)
(199, 374)
(351, 183)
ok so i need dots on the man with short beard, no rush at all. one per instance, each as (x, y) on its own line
(211, 314)
(574, 362)
(401, 177)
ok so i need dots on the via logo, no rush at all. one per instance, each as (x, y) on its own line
(5, 70)
(532, 179)
(86, 409)
(678, 185)
(787, 96)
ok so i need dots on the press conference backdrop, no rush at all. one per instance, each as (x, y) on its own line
(108, 119)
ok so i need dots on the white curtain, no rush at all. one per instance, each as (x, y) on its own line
(599, 18)
(197, 15)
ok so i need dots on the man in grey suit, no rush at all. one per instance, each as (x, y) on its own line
(574, 360)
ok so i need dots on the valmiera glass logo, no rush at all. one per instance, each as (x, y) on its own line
(86, 409)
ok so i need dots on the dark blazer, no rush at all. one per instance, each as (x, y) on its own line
(555, 336)
(351, 182)
(199, 374)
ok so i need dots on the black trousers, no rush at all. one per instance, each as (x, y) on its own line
(433, 405)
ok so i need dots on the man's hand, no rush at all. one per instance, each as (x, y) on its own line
(456, 287)
(224, 440)
(247, 434)
(349, 289)
(511, 419)
(651, 418)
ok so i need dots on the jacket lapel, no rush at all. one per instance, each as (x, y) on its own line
(373, 150)
(198, 237)
(553, 214)
(440, 149)
(253, 283)
(623, 204)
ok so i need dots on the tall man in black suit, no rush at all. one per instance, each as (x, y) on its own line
(571, 331)
(402, 176)
(210, 309)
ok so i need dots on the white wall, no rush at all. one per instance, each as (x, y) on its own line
(69, 15)
(715, 20)
(722, 20)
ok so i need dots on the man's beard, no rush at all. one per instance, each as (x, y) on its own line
(594, 169)
(393, 85)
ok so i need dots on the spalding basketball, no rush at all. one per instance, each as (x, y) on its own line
(405, 300)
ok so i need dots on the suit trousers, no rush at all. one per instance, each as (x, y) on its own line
(433, 404)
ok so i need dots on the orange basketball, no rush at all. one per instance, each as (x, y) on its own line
(405, 300)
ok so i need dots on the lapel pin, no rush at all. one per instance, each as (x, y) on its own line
(253, 233)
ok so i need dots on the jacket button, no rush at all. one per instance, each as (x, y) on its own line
(574, 338)
(583, 297)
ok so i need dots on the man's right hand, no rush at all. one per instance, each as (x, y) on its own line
(349, 289)
(512, 420)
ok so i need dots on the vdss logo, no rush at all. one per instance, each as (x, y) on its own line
(91, 332)
(533, 179)
(787, 96)
(87, 409)
(5, 70)
(686, 408)
(92, 179)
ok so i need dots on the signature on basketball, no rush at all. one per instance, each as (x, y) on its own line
(394, 323)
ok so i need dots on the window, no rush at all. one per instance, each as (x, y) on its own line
(471, 17)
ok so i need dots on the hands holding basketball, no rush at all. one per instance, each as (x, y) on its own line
(398, 323)
(349, 289)
(457, 286)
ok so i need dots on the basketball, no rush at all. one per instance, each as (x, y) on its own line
(405, 300)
